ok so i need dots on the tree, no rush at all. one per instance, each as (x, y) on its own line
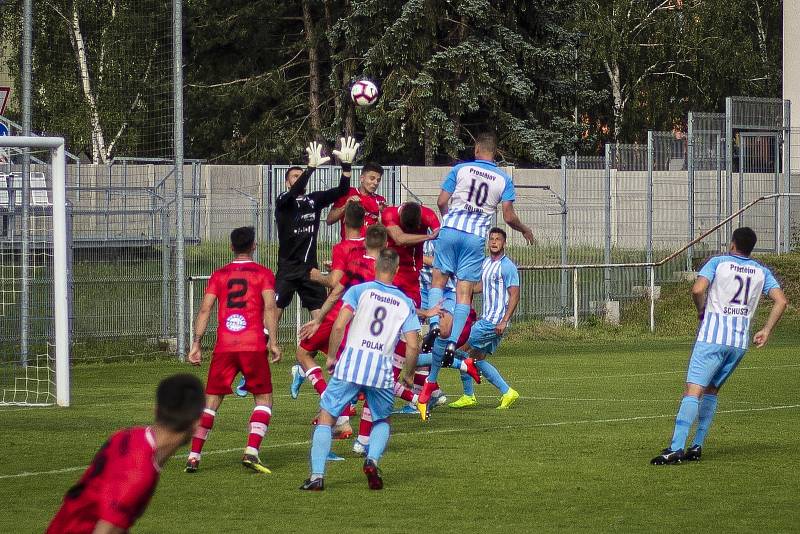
(99, 75)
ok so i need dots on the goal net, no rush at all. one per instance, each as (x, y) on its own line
(34, 272)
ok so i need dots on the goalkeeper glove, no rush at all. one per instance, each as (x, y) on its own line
(347, 152)
(315, 158)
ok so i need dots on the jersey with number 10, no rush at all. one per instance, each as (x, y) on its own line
(476, 189)
(737, 283)
(238, 287)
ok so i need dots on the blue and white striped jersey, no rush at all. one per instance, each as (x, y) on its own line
(476, 189)
(426, 273)
(497, 277)
(737, 283)
(382, 313)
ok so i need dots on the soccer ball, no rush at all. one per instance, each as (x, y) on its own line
(364, 93)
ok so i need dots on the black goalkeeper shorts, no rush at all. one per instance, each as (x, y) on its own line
(312, 294)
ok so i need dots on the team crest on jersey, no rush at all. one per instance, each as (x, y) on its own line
(236, 323)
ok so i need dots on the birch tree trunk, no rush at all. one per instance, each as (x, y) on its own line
(78, 44)
(612, 70)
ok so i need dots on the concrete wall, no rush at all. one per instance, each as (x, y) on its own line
(220, 197)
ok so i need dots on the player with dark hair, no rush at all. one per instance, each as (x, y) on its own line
(468, 201)
(357, 268)
(297, 215)
(116, 488)
(409, 226)
(371, 175)
(354, 222)
(378, 315)
(501, 293)
(726, 295)
(246, 310)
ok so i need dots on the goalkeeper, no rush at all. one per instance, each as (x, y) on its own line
(297, 215)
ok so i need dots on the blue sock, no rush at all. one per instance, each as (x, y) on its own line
(423, 360)
(320, 447)
(434, 321)
(468, 384)
(705, 415)
(492, 375)
(460, 316)
(687, 413)
(435, 295)
(378, 439)
(436, 358)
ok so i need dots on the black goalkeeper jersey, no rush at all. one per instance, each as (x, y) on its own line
(297, 216)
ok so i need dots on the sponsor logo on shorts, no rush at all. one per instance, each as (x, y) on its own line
(236, 323)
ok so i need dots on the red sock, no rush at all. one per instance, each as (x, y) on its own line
(403, 392)
(365, 425)
(259, 421)
(427, 389)
(202, 432)
(315, 376)
(419, 379)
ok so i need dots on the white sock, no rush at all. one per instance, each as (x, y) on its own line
(251, 450)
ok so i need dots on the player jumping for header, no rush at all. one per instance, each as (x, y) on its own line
(378, 314)
(468, 200)
(246, 294)
(726, 295)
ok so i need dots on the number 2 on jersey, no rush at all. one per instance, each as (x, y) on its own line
(481, 194)
(236, 297)
(742, 285)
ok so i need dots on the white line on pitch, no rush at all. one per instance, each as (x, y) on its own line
(437, 431)
(634, 375)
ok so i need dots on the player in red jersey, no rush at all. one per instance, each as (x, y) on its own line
(409, 226)
(116, 488)
(246, 294)
(371, 175)
(306, 366)
(358, 267)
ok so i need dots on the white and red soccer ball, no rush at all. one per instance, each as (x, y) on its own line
(364, 93)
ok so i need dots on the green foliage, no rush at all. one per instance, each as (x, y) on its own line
(447, 69)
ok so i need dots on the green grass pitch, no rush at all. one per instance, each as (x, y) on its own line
(571, 455)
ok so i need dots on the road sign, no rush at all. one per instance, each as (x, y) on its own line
(3, 129)
(4, 93)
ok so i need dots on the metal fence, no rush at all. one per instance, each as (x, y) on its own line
(634, 204)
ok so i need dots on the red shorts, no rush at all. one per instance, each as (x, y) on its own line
(319, 341)
(408, 283)
(253, 365)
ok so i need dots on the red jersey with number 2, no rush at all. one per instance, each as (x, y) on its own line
(116, 488)
(238, 287)
(373, 204)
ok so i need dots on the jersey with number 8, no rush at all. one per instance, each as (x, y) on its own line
(736, 286)
(238, 287)
(381, 314)
(476, 189)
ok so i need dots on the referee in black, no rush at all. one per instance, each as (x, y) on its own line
(297, 216)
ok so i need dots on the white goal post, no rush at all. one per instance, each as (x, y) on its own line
(60, 319)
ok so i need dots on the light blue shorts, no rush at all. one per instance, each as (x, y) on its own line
(339, 394)
(459, 253)
(483, 337)
(712, 364)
